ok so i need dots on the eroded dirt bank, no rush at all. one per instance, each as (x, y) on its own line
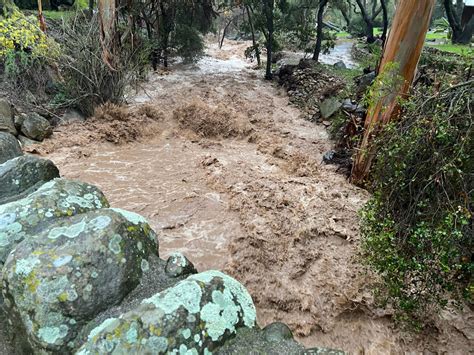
(228, 173)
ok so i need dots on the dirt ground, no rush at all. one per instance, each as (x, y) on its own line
(228, 173)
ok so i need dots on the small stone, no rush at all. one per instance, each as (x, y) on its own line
(178, 265)
(277, 331)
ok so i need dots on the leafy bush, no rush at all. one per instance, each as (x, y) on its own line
(418, 227)
(188, 43)
(25, 55)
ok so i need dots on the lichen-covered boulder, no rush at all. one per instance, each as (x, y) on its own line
(36, 127)
(23, 175)
(9, 147)
(195, 316)
(6, 117)
(80, 266)
(58, 198)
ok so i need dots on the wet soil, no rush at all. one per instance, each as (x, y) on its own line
(257, 203)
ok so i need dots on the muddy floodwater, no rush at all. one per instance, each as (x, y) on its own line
(252, 198)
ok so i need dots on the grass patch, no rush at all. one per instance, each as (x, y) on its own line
(342, 34)
(58, 15)
(453, 48)
(436, 35)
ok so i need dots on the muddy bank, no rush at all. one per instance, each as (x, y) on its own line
(257, 203)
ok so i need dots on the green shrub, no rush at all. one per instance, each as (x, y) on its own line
(418, 227)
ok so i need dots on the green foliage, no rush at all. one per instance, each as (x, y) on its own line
(418, 227)
(188, 43)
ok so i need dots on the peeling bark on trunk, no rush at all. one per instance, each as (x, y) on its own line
(403, 48)
(108, 35)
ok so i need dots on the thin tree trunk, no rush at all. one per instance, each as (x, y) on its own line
(254, 42)
(221, 43)
(319, 32)
(41, 17)
(385, 20)
(268, 6)
(400, 58)
(368, 22)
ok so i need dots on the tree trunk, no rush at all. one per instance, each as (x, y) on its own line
(400, 58)
(221, 43)
(369, 25)
(268, 6)
(319, 34)
(385, 20)
(254, 42)
(108, 31)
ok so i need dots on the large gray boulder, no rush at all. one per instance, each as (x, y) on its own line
(329, 107)
(58, 280)
(29, 216)
(9, 147)
(36, 127)
(23, 175)
(195, 316)
(6, 117)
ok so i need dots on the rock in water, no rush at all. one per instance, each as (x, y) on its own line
(23, 175)
(6, 117)
(58, 198)
(9, 147)
(195, 316)
(36, 127)
(60, 279)
(329, 107)
(340, 65)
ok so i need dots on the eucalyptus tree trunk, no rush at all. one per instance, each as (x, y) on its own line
(108, 32)
(396, 72)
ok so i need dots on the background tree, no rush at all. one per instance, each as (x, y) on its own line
(461, 20)
(396, 72)
(319, 32)
(369, 19)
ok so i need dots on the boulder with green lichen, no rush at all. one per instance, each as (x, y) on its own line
(58, 281)
(58, 198)
(23, 175)
(195, 316)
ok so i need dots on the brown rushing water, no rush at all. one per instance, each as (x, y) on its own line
(259, 205)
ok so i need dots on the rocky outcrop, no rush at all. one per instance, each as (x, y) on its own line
(36, 127)
(9, 147)
(308, 85)
(23, 175)
(197, 315)
(6, 117)
(55, 199)
(61, 278)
